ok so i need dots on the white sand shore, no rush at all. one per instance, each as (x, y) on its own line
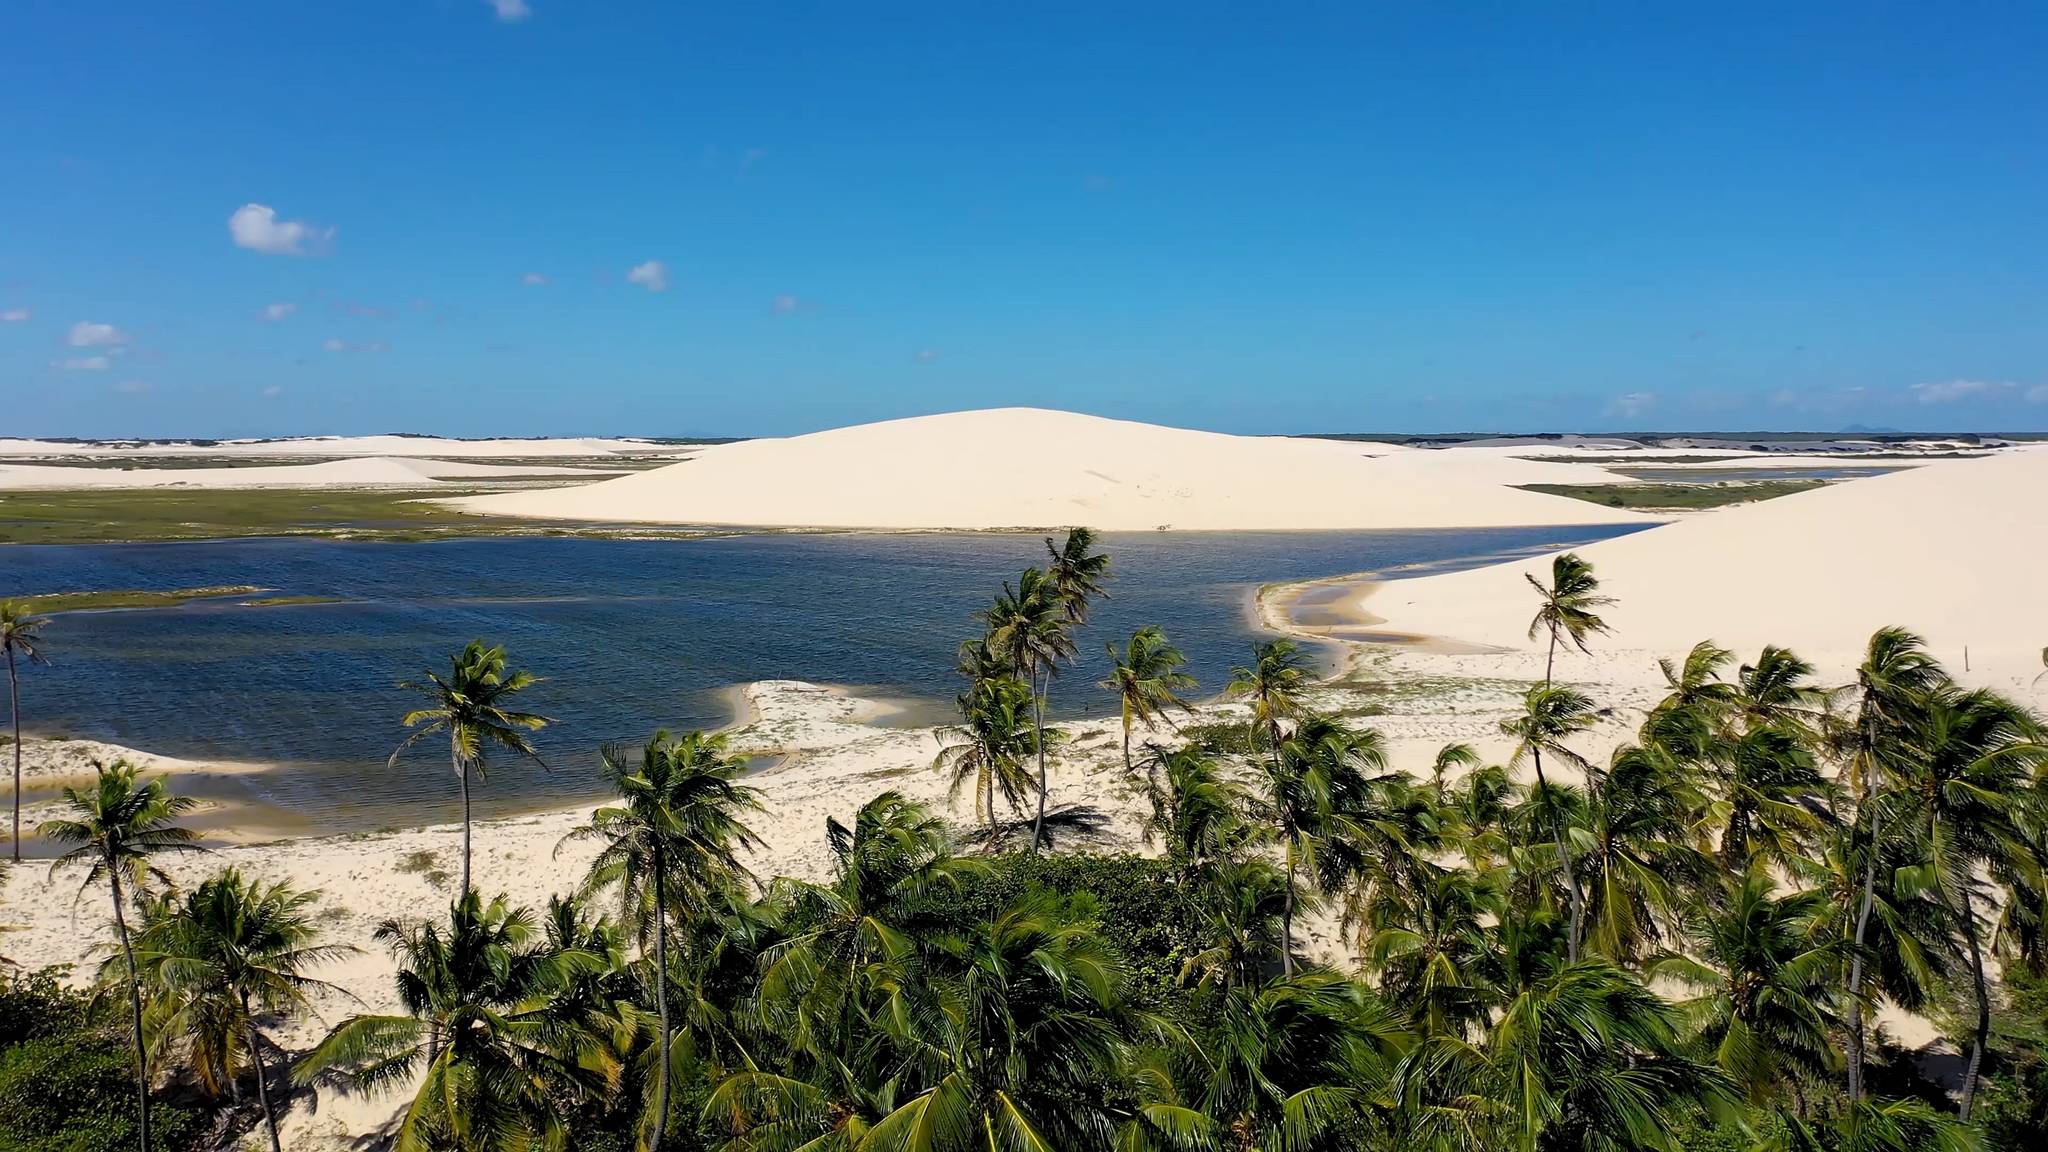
(1027, 467)
(365, 472)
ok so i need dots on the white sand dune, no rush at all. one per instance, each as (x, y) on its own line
(369, 472)
(1027, 467)
(349, 446)
(1954, 550)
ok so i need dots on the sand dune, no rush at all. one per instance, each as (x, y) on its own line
(1952, 549)
(369, 472)
(1026, 467)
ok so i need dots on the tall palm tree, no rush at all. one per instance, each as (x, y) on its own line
(1640, 863)
(1077, 573)
(1027, 625)
(672, 841)
(1196, 809)
(1147, 680)
(1968, 803)
(1319, 760)
(484, 1029)
(230, 949)
(19, 628)
(1876, 745)
(991, 745)
(117, 827)
(1551, 715)
(1567, 606)
(470, 705)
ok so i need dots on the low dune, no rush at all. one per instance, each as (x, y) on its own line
(1027, 467)
(369, 472)
(1951, 549)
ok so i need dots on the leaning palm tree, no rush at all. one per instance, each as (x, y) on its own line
(1567, 608)
(1551, 715)
(486, 1029)
(469, 704)
(18, 638)
(1319, 761)
(230, 949)
(1027, 626)
(671, 842)
(1077, 572)
(1147, 679)
(1969, 803)
(117, 827)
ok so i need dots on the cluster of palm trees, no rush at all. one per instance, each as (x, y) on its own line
(1681, 943)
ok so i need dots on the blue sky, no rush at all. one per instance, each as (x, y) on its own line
(1250, 218)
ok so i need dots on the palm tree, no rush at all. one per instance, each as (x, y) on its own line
(1551, 715)
(1196, 809)
(118, 827)
(994, 739)
(1027, 626)
(1567, 608)
(1077, 573)
(1450, 757)
(673, 840)
(1640, 861)
(18, 637)
(1763, 964)
(484, 1029)
(1896, 673)
(1428, 951)
(1968, 803)
(230, 949)
(1319, 760)
(469, 704)
(1147, 680)
(1275, 682)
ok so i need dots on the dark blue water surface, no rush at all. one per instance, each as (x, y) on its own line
(630, 636)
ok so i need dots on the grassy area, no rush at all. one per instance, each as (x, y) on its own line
(1675, 497)
(131, 598)
(118, 515)
(281, 601)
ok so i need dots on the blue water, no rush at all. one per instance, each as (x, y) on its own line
(630, 636)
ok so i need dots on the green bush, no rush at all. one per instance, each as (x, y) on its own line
(67, 1076)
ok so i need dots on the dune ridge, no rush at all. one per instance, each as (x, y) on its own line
(1028, 467)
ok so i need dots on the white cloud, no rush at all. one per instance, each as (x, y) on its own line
(257, 228)
(276, 312)
(784, 305)
(272, 391)
(83, 364)
(1950, 391)
(533, 279)
(927, 355)
(1630, 405)
(14, 316)
(87, 334)
(653, 275)
(2038, 394)
(133, 387)
(510, 11)
(333, 345)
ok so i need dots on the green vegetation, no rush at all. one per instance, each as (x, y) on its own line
(66, 1074)
(133, 598)
(1677, 948)
(1674, 497)
(286, 601)
(121, 515)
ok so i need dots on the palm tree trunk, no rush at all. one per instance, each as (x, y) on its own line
(1982, 1038)
(1038, 726)
(1550, 660)
(1287, 917)
(262, 1078)
(14, 706)
(1869, 896)
(1128, 770)
(660, 1007)
(135, 1009)
(1564, 861)
(462, 770)
(988, 795)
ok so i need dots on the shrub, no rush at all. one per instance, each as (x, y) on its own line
(67, 1075)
